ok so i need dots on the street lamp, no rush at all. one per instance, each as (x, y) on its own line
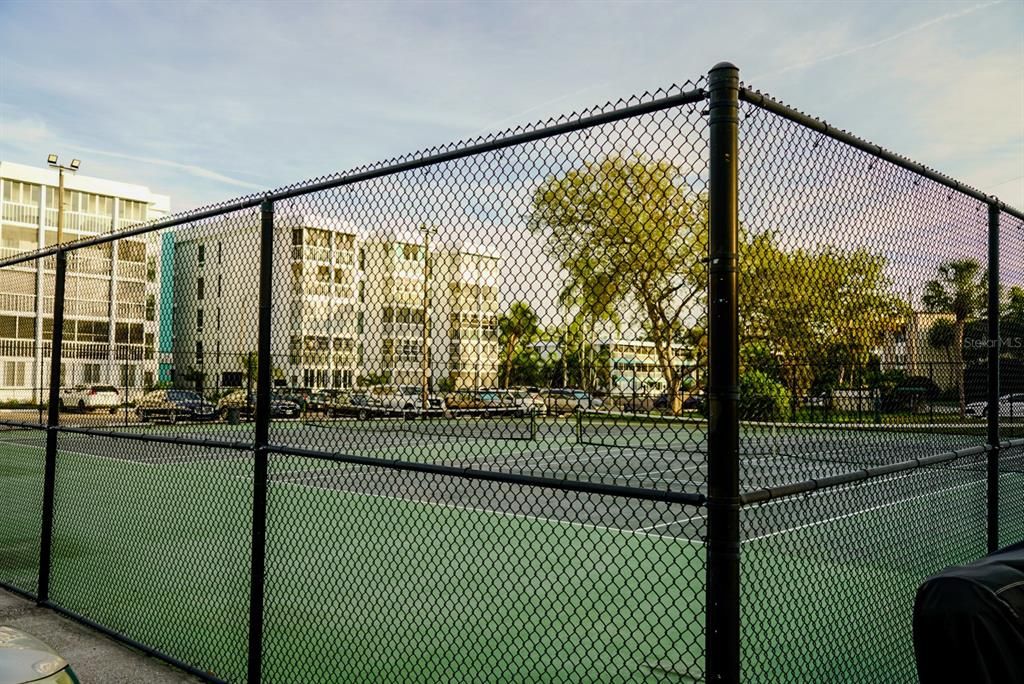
(51, 159)
(425, 352)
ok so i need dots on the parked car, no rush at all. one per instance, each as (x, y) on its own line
(1010, 406)
(24, 659)
(296, 395)
(570, 400)
(245, 404)
(174, 404)
(400, 399)
(694, 402)
(90, 397)
(323, 401)
(529, 401)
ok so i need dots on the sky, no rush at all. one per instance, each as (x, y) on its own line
(208, 101)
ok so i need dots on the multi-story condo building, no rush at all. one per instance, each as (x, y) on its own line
(216, 293)
(459, 293)
(111, 292)
(348, 306)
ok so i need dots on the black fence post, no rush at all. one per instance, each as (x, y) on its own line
(993, 377)
(722, 633)
(262, 438)
(52, 422)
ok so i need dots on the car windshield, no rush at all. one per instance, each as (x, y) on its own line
(182, 395)
(580, 394)
(104, 388)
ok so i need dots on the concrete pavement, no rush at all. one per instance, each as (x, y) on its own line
(97, 659)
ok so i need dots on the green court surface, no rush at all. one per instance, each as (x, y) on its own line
(376, 586)
(379, 575)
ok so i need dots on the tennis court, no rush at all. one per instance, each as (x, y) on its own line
(360, 555)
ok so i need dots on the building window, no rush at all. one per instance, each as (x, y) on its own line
(199, 288)
(199, 320)
(218, 285)
(199, 352)
(91, 373)
(220, 252)
(202, 255)
(150, 307)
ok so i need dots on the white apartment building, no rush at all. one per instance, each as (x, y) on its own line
(347, 306)
(111, 292)
(462, 304)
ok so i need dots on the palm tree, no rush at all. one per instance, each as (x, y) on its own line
(959, 290)
(518, 326)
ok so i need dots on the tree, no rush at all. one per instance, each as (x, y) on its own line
(942, 335)
(517, 327)
(629, 231)
(822, 312)
(960, 290)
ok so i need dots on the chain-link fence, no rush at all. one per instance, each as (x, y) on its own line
(515, 408)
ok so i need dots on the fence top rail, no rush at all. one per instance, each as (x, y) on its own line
(759, 99)
(563, 484)
(796, 488)
(690, 94)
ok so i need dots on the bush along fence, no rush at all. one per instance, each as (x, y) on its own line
(687, 387)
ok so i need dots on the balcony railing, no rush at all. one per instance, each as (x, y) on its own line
(22, 213)
(131, 270)
(22, 303)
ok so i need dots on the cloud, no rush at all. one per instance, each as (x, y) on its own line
(191, 169)
(815, 61)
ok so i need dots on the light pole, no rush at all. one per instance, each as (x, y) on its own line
(72, 167)
(425, 352)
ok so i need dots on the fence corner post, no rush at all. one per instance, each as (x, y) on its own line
(52, 423)
(994, 344)
(722, 630)
(260, 442)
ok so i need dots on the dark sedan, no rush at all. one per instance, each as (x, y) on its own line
(174, 405)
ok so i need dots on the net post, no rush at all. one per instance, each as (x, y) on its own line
(722, 632)
(262, 438)
(992, 465)
(52, 424)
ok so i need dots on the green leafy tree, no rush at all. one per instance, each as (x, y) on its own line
(810, 305)
(959, 290)
(629, 230)
(942, 336)
(516, 328)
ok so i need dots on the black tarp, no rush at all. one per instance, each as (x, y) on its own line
(969, 622)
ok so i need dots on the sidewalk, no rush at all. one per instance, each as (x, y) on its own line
(96, 658)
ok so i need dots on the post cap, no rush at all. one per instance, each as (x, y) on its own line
(724, 65)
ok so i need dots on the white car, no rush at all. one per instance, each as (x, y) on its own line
(404, 399)
(1010, 406)
(90, 397)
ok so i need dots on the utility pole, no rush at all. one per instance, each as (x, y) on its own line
(72, 167)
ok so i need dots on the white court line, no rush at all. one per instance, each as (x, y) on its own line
(475, 509)
(85, 455)
(889, 504)
(680, 521)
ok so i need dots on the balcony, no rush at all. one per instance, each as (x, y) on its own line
(21, 303)
(131, 270)
(308, 253)
(21, 213)
(81, 221)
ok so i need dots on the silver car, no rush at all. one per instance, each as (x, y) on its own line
(24, 659)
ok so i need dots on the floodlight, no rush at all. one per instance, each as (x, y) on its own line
(75, 163)
(51, 160)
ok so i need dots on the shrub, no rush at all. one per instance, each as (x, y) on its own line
(762, 398)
